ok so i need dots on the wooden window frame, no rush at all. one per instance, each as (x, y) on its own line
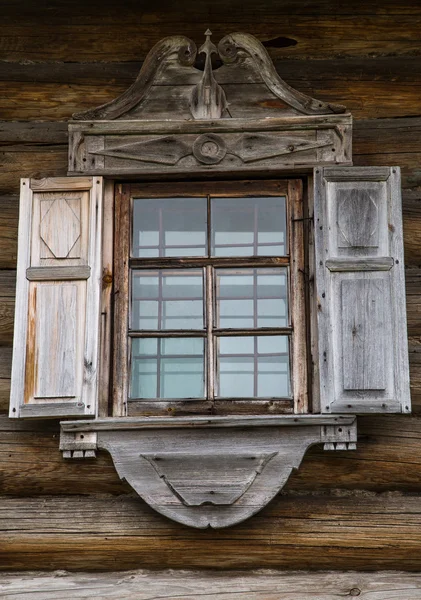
(296, 259)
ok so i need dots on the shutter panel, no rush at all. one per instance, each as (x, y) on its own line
(56, 337)
(363, 355)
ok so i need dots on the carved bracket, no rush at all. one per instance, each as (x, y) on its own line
(207, 471)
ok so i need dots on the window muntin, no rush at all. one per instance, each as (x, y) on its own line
(215, 300)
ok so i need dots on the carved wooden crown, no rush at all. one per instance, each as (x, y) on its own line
(246, 83)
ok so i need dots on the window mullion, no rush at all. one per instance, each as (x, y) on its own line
(210, 360)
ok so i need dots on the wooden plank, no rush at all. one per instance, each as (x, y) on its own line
(295, 531)
(399, 69)
(386, 459)
(130, 35)
(9, 209)
(298, 298)
(62, 273)
(364, 308)
(30, 164)
(203, 585)
(57, 102)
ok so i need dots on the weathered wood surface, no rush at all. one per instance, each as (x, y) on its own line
(386, 459)
(336, 531)
(101, 32)
(263, 584)
(365, 56)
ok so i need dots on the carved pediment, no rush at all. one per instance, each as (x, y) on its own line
(170, 86)
(222, 108)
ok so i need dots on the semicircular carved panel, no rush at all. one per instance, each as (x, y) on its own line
(213, 477)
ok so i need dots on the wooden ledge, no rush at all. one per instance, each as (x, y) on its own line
(133, 423)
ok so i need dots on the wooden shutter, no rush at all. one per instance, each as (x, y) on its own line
(56, 338)
(363, 356)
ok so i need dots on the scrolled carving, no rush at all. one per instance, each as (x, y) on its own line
(235, 44)
(209, 149)
(228, 49)
(179, 45)
(187, 53)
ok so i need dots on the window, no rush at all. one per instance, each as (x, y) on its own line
(211, 303)
(213, 298)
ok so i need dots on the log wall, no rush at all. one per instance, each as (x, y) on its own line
(350, 510)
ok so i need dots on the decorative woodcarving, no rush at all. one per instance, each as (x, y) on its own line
(179, 471)
(209, 149)
(358, 220)
(166, 150)
(250, 117)
(60, 226)
(207, 471)
(232, 48)
(176, 49)
(208, 99)
(253, 147)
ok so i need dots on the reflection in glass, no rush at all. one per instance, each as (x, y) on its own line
(249, 298)
(248, 226)
(253, 367)
(167, 300)
(169, 227)
(167, 368)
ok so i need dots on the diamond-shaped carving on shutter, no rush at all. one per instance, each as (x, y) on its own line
(60, 228)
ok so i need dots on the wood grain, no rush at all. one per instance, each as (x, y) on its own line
(346, 531)
(364, 55)
(205, 585)
(130, 34)
(385, 460)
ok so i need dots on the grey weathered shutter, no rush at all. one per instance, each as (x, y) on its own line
(363, 356)
(55, 352)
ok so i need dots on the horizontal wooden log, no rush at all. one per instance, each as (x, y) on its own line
(386, 459)
(386, 69)
(9, 209)
(350, 531)
(48, 101)
(71, 35)
(204, 585)
(43, 163)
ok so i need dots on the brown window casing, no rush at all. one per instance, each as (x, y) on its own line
(295, 259)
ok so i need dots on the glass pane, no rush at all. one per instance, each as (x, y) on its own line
(253, 367)
(167, 300)
(249, 226)
(247, 298)
(167, 368)
(169, 227)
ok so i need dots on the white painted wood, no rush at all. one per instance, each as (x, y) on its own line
(60, 229)
(263, 584)
(22, 293)
(58, 298)
(58, 307)
(363, 357)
